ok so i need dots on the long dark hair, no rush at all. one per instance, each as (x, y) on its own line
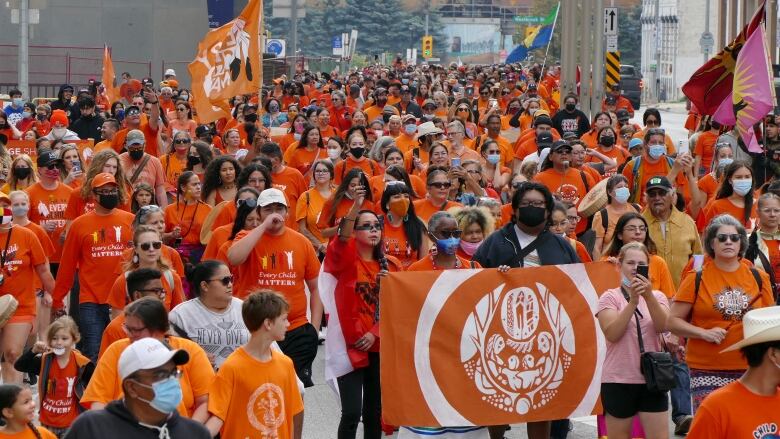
(243, 177)
(242, 213)
(413, 226)
(399, 173)
(378, 253)
(617, 241)
(9, 393)
(212, 179)
(203, 271)
(726, 190)
(341, 191)
(304, 142)
(204, 152)
(181, 181)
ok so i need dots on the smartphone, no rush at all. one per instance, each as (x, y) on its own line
(493, 103)
(416, 153)
(683, 146)
(643, 270)
(469, 91)
(455, 161)
(77, 166)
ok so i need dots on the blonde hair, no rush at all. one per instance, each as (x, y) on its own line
(131, 265)
(19, 194)
(64, 322)
(633, 246)
(12, 180)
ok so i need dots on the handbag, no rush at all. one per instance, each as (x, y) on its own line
(657, 367)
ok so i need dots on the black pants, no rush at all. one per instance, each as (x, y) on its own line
(300, 344)
(360, 394)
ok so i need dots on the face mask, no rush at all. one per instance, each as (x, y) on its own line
(410, 128)
(136, 154)
(120, 114)
(297, 136)
(399, 207)
(167, 395)
(26, 114)
(531, 216)
(273, 108)
(184, 97)
(722, 163)
(357, 152)
(20, 210)
(59, 132)
(493, 159)
(379, 133)
(622, 194)
(448, 246)
(58, 351)
(192, 160)
(607, 141)
(469, 247)
(571, 107)
(626, 281)
(656, 151)
(333, 154)
(40, 117)
(532, 111)
(18, 102)
(108, 201)
(21, 173)
(742, 187)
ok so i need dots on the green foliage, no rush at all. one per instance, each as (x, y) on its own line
(630, 36)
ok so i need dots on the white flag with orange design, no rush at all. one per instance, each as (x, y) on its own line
(479, 347)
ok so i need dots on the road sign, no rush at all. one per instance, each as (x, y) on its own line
(283, 9)
(338, 47)
(612, 43)
(527, 19)
(613, 68)
(276, 46)
(610, 21)
(707, 41)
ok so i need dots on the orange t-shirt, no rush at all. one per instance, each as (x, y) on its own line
(113, 332)
(285, 141)
(29, 434)
(150, 136)
(174, 294)
(425, 209)
(173, 167)
(236, 396)
(291, 182)
(723, 299)
(617, 153)
(342, 209)
(78, 206)
(569, 185)
(196, 377)
(22, 255)
(302, 159)
(49, 207)
(309, 209)
(397, 245)
(219, 236)
(94, 246)
(226, 215)
(734, 411)
(46, 244)
(189, 217)
(709, 185)
(369, 167)
(705, 148)
(649, 170)
(59, 408)
(724, 205)
(283, 263)
(405, 142)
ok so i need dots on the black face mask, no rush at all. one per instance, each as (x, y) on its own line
(357, 152)
(252, 117)
(386, 117)
(531, 216)
(40, 117)
(108, 201)
(192, 160)
(136, 154)
(571, 107)
(607, 141)
(21, 173)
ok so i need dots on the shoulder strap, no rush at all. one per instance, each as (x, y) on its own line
(636, 318)
(525, 251)
(636, 173)
(169, 278)
(584, 180)
(472, 264)
(637, 207)
(308, 199)
(757, 277)
(604, 219)
(139, 169)
(769, 271)
(696, 285)
(45, 371)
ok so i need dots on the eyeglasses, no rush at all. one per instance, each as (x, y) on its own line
(462, 109)
(181, 141)
(441, 185)
(370, 227)
(634, 229)
(107, 192)
(225, 281)
(533, 203)
(51, 167)
(649, 122)
(723, 237)
(159, 291)
(447, 234)
(152, 244)
(249, 202)
(149, 207)
(132, 113)
(573, 219)
(182, 109)
(656, 131)
(131, 330)
(657, 193)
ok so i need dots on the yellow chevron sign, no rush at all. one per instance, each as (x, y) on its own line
(613, 68)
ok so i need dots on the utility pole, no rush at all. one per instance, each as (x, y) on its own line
(706, 29)
(598, 57)
(293, 37)
(568, 49)
(657, 74)
(24, 44)
(586, 52)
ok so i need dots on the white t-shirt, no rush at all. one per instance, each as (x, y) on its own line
(532, 260)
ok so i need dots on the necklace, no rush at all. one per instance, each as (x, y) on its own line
(436, 267)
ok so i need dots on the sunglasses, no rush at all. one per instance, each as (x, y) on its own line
(148, 245)
(733, 237)
(182, 109)
(447, 234)
(249, 202)
(370, 227)
(440, 185)
(227, 280)
(149, 207)
(463, 109)
(181, 141)
(132, 113)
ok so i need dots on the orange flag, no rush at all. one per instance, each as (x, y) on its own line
(228, 63)
(109, 77)
(479, 347)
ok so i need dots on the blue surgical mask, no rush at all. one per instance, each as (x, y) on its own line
(493, 159)
(743, 186)
(410, 128)
(26, 114)
(656, 151)
(722, 163)
(167, 395)
(448, 246)
(622, 194)
(626, 281)
(18, 102)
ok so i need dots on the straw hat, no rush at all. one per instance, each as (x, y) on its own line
(759, 326)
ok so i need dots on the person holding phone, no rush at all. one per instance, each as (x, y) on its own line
(353, 189)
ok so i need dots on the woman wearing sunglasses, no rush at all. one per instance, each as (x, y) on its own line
(438, 185)
(710, 304)
(175, 162)
(154, 216)
(147, 253)
(353, 193)
(220, 234)
(183, 120)
(355, 264)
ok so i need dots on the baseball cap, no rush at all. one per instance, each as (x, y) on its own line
(47, 157)
(170, 72)
(271, 196)
(658, 182)
(543, 120)
(428, 102)
(543, 140)
(560, 144)
(202, 130)
(148, 353)
(135, 137)
(622, 114)
(407, 117)
(4, 197)
(103, 179)
(633, 143)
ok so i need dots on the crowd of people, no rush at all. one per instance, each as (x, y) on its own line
(161, 276)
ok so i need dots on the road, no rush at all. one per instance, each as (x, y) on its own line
(322, 407)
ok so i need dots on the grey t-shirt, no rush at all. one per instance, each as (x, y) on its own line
(219, 334)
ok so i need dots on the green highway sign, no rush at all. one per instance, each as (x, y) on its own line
(528, 19)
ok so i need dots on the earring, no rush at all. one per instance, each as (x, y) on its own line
(135, 258)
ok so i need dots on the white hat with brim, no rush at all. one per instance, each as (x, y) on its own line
(427, 128)
(758, 326)
(271, 196)
(149, 353)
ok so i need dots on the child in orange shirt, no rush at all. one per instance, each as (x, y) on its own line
(17, 410)
(62, 371)
(273, 377)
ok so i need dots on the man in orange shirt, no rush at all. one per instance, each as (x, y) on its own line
(133, 122)
(109, 130)
(94, 246)
(275, 256)
(395, 93)
(234, 391)
(620, 101)
(407, 140)
(142, 167)
(374, 111)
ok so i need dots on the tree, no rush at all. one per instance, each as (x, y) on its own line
(630, 36)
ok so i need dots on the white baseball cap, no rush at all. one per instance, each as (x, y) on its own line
(148, 353)
(170, 72)
(271, 196)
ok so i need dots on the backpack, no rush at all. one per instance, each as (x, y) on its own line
(637, 174)
(697, 284)
(605, 216)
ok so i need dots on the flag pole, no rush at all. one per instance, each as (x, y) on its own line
(552, 33)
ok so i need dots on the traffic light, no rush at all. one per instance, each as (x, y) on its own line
(427, 46)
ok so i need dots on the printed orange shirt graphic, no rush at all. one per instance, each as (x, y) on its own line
(479, 347)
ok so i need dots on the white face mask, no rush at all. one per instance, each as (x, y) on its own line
(333, 154)
(59, 132)
(58, 351)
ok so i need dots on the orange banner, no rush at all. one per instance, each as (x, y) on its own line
(109, 77)
(228, 63)
(479, 347)
(16, 147)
